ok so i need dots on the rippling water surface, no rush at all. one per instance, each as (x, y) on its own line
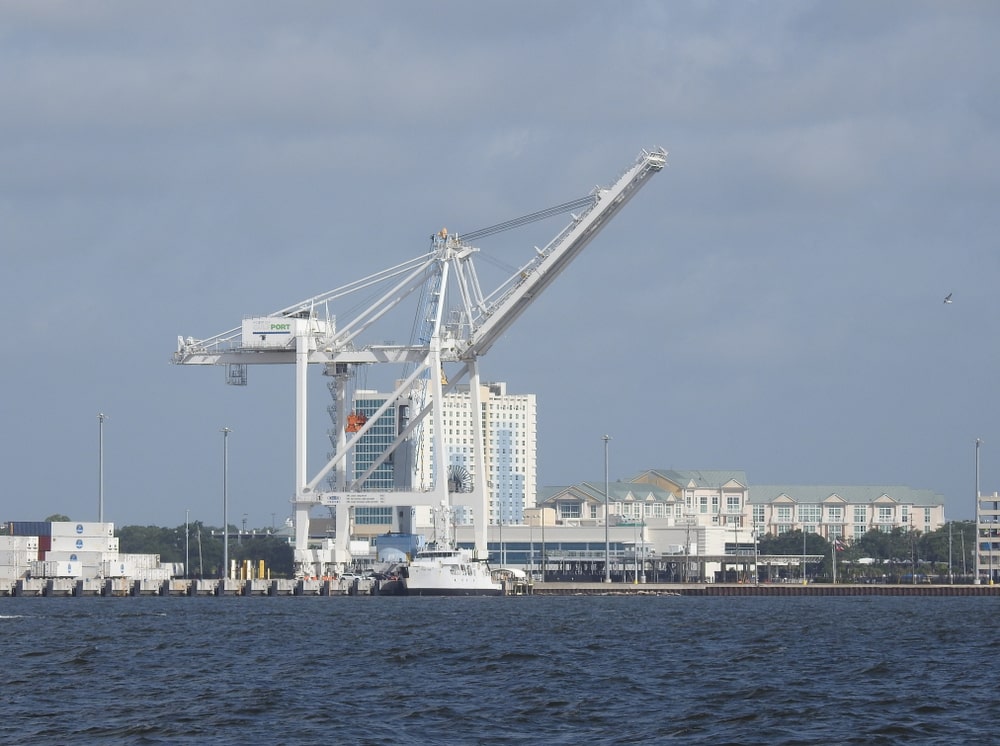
(567, 670)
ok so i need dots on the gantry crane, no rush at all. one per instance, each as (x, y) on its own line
(458, 325)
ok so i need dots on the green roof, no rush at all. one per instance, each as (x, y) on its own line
(854, 494)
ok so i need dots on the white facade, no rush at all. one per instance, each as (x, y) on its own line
(988, 537)
(510, 431)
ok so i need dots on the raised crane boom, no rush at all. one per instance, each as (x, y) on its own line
(549, 262)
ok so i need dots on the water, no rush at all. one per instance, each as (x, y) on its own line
(541, 670)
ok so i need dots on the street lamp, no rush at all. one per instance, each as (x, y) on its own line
(635, 547)
(187, 551)
(100, 466)
(804, 581)
(607, 514)
(225, 502)
(978, 563)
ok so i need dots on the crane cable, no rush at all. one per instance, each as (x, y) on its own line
(531, 218)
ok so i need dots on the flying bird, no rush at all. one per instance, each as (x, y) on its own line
(947, 298)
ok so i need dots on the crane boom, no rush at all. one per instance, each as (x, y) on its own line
(534, 277)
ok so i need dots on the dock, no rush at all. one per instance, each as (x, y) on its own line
(762, 589)
(333, 587)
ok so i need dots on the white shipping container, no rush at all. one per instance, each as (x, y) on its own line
(118, 569)
(10, 574)
(141, 561)
(84, 543)
(87, 558)
(72, 528)
(18, 557)
(157, 574)
(53, 569)
(16, 543)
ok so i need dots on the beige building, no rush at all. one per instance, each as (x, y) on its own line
(725, 499)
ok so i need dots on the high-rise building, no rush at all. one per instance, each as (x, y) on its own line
(510, 433)
(395, 471)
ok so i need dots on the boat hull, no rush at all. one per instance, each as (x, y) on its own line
(453, 592)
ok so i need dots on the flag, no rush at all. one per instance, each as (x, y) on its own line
(839, 545)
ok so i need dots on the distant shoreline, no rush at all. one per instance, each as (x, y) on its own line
(763, 589)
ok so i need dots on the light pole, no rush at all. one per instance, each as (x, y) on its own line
(804, 581)
(951, 576)
(187, 550)
(225, 502)
(978, 566)
(607, 514)
(542, 558)
(635, 548)
(501, 532)
(100, 466)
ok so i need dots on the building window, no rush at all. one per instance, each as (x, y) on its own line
(703, 504)
(784, 514)
(733, 504)
(836, 514)
(373, 516)
(569, 510)
(886, 514)
(810, 513)
(860, 514)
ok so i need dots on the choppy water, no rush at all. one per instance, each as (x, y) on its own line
(577, 670)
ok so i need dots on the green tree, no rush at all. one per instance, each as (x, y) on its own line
(791, 543)
(205, 548)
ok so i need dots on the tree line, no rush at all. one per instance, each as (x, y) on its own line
(882, 555)
(204, 547)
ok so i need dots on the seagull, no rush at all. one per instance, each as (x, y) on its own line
(947, 298)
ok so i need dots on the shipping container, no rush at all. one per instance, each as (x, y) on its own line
(47, 569)
(118, 569)
(87, 558)
(19, 543)
(17, 557)
(83, 543)
(141, 561)
(30, 528)
(9, 574)
(72, 528)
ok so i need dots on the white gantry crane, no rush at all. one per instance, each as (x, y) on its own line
(456, 324)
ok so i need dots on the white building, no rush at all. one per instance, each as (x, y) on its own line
(510, 433)
(509, 425)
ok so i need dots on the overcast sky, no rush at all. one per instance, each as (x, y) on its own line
(771, 302)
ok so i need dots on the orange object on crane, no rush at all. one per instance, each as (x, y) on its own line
(355, 422)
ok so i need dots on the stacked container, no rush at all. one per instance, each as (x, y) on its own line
(61, 549)
(15, 554)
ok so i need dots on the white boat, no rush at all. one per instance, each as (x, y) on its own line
(445, 571)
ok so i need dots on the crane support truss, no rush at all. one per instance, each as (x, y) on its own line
(457, 327)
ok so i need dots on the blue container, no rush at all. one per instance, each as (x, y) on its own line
(30, 528)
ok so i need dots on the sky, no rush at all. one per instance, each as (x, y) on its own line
(771, 302)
